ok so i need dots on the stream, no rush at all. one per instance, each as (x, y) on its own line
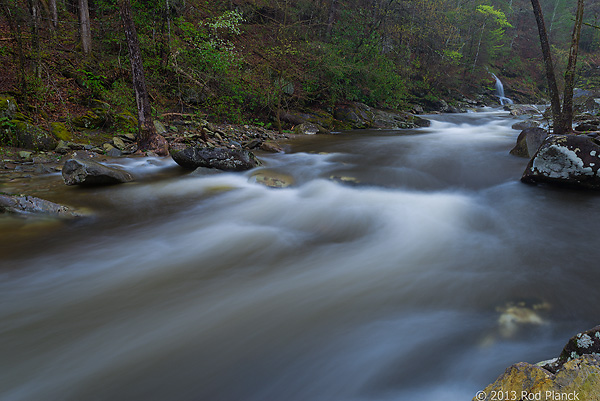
(401, 265)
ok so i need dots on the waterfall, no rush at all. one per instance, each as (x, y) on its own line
(500, 91)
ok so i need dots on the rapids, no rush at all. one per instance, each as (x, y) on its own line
(413, 274)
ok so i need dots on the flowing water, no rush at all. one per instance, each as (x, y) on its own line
(402, 265)
(500, 91)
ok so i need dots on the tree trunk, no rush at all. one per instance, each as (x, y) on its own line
(85, 31)
(567, 109)
(34, 9)
(550, 77)
(331, 17)
(148, 138)
(15, 28)
(54, 13)
(478, 48)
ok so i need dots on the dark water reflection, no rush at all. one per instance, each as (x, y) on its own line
(402, 265)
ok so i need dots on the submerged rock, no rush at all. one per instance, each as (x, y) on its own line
(89, 172)
(272, 179)
(24, 204)
(219, 158)
(572, 160)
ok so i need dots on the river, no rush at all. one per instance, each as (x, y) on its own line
(402, 265)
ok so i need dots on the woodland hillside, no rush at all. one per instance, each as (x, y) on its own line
(246, 61)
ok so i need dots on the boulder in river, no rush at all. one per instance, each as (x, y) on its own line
(24, 204)
(219, 158)
(574, 375)
(89, 172)
(578, 380)
(529, 141)
(522, 109)
(309, 129)
(571, 160)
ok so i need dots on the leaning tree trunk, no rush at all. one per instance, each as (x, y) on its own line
(550, 76)
(567, 109)
(148, 138)
(85, 31)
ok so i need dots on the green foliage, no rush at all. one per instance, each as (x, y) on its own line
(8, 129)
(94, 83)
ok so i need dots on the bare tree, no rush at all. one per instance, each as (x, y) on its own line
(562, 116)
(85, 31)
(53, 13)
(148, 138)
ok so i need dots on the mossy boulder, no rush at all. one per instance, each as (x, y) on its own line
(126, 123)
(354, 115)
(579, 379)
(574, 375)
(29, 136)
(60, 131)
(8, 107)
(91, 120)
(318, 117)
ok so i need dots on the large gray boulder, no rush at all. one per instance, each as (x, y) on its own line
(571, 160)
(529, 141)
(219, 158)
(24, 204)
(88, 172)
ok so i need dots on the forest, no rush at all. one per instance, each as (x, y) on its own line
(249, 61)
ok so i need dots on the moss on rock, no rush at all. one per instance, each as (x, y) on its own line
(126, 123)
(60, 131)
(29, 136)
(8, 107)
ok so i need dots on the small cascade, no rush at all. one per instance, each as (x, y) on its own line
(500, 91)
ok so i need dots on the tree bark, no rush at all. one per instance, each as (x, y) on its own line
(550, 76)
(15, 28)
(567, 109)
(34, 9)
(148, 138)
(54, 13)
(331, 17)
(85, 31)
